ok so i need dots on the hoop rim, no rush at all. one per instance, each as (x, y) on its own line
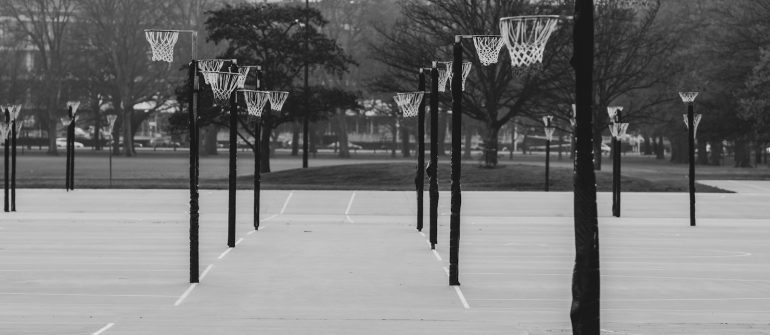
(170, 31)
(524, 17)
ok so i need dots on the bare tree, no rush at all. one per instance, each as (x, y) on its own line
(46, 25)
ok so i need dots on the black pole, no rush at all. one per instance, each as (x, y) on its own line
(305, 120)
(691, 135)
(420, 177)
(6, 161)
(614, 148)
(617, 176)
(67, 145)
(433, 166)
(457, 135)
(72, 153)
(547, 163)
(193, 128)
(232, 176)
(257, 154)
(584, 311)
(13, 165)
(111, 145)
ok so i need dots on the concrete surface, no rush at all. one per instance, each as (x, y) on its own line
(344, 262)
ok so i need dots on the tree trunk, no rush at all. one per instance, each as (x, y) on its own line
(295, 130)
(490, 147)
(342, 134)
(758, 153)
(97, 125)
(703, 158)
(405, 142)
(716, 153)
(394, 132)
(128, 143)
(648, 145)
(468, 139)
(742, 153)
(660, 151)
(210, 139)
(679, 150)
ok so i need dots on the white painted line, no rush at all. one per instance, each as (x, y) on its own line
(347, 217)
(462, 297)
(239, 240)
(103, 329)
(224, 253)
(423, 234)
(206, 271)
(446, 271)
(275, 215)
(350, 203)
(286, 203)
(89, 295)
(251, 232)
(185, 294)
(435, 253)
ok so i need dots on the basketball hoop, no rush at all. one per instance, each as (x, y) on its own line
(14, 111)
(488, 48)
(547, 120)
(549, 133)
(111, 121)
(688, 97)
(466, 70)
(409, 102)
(618, 130)
(526, 37)
(277, 98)
(162, 44)
(223, 84)
(244, 70)
(573, 119)
(5, 130)
(255, 101)
(444, 75)
(210, 65)
(612, 111)
(74, 105)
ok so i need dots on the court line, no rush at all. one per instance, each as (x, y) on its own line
(89, 295)
(251, 232)
(185, 294)
(458, 291)
(423, 234)
(224, 253)
(239, 241)
(347, 217)
(435, 253)
(271, 217)
(629, 299)
(286, 203)
(350, 203)
(206, 271)
(103, 329)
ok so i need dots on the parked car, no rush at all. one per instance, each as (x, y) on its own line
(351, 146)
(61, 142)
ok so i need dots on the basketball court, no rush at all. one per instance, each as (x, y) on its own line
(345, 262)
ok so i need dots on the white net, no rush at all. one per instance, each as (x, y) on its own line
(210, 65)
(618, 130)
(409, 102)
(277, 98)
(466, 71)
(14, 110)
(688, 97)
(612, 111)
(255, 101)
(444, 75)
(547, 120)
(488, 48)
(162, 44)
(222, 84)
(549, 131)
(74, 105)
(573, 119)
(5, 130)
(526, 37)
(696, 120)
(245, 72)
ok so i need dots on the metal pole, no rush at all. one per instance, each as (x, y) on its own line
(584, 311)
(457, 134)
(547, 163)
(432, 169)
(72, 154)
(614, 176)
(13, 165)
(111, 144)
(67, 145)
(305, 120)
(193, 124)
(691, 135)
(6, 162)
(233, 175)
(257, 154)
(420, 177)
(617, 188)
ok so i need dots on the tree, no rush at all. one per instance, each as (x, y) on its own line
(270, 35)
(46, 25)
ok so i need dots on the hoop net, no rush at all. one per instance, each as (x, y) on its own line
(111, 122)
(222, 84)
(162, 44)
(277, 98)
(74, 105)
(623, 4)
(549, 133)
(5, 130)
(696, 120)
(612, 111)
(409, 102)
(688, 97)
(618, 130)
(547, 120)
(526, 37)
(210, 65)
(245, 72)
(488, 48)
(444, 75)
(255, 101)
(466, 70)
(573, 119)
(14, 111)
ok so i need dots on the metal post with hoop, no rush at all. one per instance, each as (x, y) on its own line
(549, 129)
(255, 104)
(6, 132)
(432, 169)
(419, 180)
(617, 130)
(14, 112)
(691, 121)
(110, 125)
(162, 44)
(72, 107)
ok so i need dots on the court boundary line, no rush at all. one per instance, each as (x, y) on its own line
(103, 329)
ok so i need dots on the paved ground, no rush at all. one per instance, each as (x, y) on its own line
(326, 262)
(740, 186)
